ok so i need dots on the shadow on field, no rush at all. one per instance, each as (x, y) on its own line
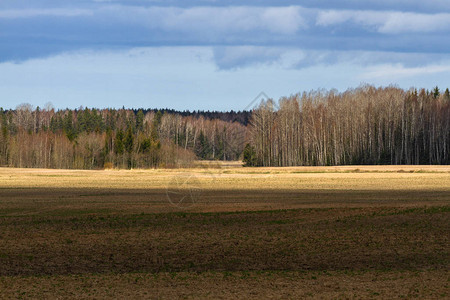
(65, 201)
(355, 239)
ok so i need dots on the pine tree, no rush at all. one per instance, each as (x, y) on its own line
(140, 120)
(203, 149)
(68, 127)
(118, 143)
(436, 92)
(129, 140)
(447, 95)
(250, 159)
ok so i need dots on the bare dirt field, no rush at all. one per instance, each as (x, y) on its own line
(224, 232)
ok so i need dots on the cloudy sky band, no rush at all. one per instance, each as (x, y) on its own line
(383, 42)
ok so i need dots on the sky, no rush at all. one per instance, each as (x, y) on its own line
(214, 55)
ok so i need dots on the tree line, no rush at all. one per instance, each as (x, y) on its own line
(124, 138)
(366, 125)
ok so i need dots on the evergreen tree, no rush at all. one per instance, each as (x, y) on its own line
(37, 115)
(250, 159)
(140, 120)
(68, 127)
(220, 149)
(447, 95)
(110, 123)
(53, 124)
(436, 92)
(202, 148)
(129, 140)
(145, 146)
(3, 119)
(82, 121)
(118, 143)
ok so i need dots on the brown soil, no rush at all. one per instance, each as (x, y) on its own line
(115, 234)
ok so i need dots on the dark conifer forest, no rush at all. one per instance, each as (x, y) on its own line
(366, 125)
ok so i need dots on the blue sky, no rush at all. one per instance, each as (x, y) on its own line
(214, 55)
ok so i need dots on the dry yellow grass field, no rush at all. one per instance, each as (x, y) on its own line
(224, 189)
(222, 231)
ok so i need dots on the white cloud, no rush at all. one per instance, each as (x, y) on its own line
(243, 56)
(394, 71)
(335, 17)
(55, 12)
(283, 19)
(235, 19)
(236, 57)
(412, 22)
(279, 20)
(389, 22)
